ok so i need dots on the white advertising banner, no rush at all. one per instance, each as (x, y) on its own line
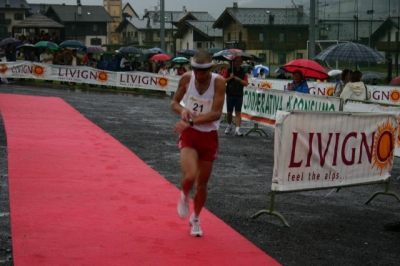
(332, 149)
(261, 105)
(83, 74)
(352, 106)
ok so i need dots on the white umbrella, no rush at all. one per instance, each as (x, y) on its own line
(334, 72)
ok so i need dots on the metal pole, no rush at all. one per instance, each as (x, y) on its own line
(311, 51)
(75, 25)
(162, 24)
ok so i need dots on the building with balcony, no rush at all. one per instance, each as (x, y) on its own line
(275, 35)
(11, 12)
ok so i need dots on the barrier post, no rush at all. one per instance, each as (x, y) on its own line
(386, 192)
(256, 129)
(271, 211)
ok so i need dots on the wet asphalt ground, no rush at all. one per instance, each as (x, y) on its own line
(327, 227)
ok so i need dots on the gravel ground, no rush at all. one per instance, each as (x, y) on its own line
(327, 227)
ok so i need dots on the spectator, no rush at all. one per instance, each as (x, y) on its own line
(102, 63)
(181, 70)
(20, 54)
(125, 64)
(90, 61)
(10, 53)
(113, 64)
(299, 84)
(32, 57)
(136, 65)
(356, 89)
(172, 70)
(344, 78)
(47, 57)
(76, 61)
(261, 74)
(236, 80)
(163, 69)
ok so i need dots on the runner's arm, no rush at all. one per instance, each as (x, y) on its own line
(175, 105)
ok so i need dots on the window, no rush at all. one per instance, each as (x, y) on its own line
(282, 58)
(3, 30)
(95, 41)
(281, 37)
(299, 36)
(229, 36)
(199, 45)
(299, 55)
(18, 16)
(136, 34)
(95, 27)
(158, 34)
(261, 37)
(240, 36)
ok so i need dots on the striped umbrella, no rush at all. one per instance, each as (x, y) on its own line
(350, 52)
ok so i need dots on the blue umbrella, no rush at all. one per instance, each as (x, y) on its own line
(157, 50)
(130, 50)
(257, 69)
(187, 52)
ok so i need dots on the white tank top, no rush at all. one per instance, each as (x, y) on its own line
(201, 104)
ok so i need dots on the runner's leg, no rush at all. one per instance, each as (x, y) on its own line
(204, 172)
(189, 167)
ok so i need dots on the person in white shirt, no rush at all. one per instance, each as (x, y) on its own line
(47, 57)
(173, 71)
(203, 94)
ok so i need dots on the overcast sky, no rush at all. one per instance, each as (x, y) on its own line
(214, 7)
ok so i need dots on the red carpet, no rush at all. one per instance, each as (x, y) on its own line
(79, 197)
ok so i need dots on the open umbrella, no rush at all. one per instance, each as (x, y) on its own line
(213, 50)
(188, 53)
(395, 81)
(46, 44)
(180, 60)
(370, 76)
(257, 69)
(94, 50)
(334, 72)
(157, 50)
(160, 57)
(350, 52)
(220, 66)
(309, 68)
(280, 71)
(27, 45)
(6, 41)
(230, 54)
(72, 44)
(130, 50)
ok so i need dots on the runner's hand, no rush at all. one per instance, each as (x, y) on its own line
(185, 114)
(180, 127)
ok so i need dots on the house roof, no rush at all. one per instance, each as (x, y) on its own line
(205, 28)
(66, 13)
(14, 4)
(261, 16)
(38, 20)
(34, 8)
(178, 16)
(128, 6)
(144, 24)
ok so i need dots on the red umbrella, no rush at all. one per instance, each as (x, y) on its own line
(309, 68)
(161, 57)
(395, 81)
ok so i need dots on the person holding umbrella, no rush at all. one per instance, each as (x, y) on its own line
(236, 80)
(125, 64)
(356, 89)
(299, 84)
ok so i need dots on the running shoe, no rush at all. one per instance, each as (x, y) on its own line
(228, 129)
(238, 133)
(183, 206)
(195, 229)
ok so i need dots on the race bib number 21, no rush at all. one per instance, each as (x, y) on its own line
(199, 106)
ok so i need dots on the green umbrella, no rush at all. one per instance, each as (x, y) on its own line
(180, 60)
(45, 44)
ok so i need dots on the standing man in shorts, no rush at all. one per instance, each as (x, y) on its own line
(203, 94)
(236, 80)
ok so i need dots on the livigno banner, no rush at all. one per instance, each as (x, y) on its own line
(331, 149)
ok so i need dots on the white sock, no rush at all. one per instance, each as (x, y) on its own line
(194, 216)
(237, 129)
(229, 125)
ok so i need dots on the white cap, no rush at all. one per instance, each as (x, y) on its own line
(117, 51)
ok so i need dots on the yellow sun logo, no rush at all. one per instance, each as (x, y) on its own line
(398, 132)
(102, 76)
(162, 82)
(394, 96)
(266, 85)
(38, 71)
(383, 146)
(329, 90)
(3, 69)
